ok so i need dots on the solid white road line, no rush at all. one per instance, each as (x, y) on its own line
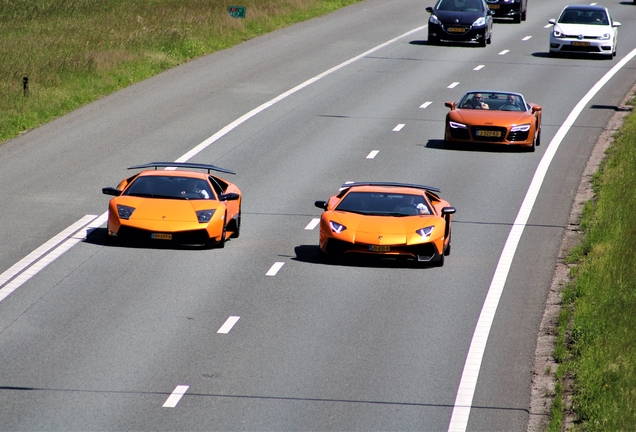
(175, 396)
(425, 104)
(398, 127)
(229, 323)
(313, 224)
(453, 85)
(30, 265)
(466, 390)
(480, 67)
(274, 269)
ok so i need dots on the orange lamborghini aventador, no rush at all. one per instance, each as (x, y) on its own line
(387, 219)
(186, 207)
(493, 117)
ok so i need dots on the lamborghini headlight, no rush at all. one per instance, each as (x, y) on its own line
(124, 212)
(433, 20)
(426, 231)
(455, 125)
(205, 216)
(520, 128)
(481, 21)
(336, 227)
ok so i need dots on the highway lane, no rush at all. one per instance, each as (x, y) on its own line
(105, 334)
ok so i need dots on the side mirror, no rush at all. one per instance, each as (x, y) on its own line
(448, 210)
(536, 108)
(321, 204)
(450, 105)
(616, 24)
(552, 21)
(111, 191)
(231, 196)
(429, 9)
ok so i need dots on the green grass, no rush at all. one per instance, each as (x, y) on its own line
(75, 51)
(596, 342)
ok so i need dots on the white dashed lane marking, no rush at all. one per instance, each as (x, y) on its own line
(176, 396)
(373, 154)
(229, 323)
(504, 52)
(453, 85)
(425, 104)
(480, 67)
(274, 269)
(526, 38)
(398, 127)
(313, 224)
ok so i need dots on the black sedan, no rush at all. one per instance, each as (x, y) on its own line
(515, 9)
(460, 21)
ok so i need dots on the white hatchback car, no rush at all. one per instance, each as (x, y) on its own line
(584, 29)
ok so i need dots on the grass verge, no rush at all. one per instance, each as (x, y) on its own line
(75, 51)
(596, 342)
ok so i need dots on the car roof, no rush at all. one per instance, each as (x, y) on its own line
(585, 7)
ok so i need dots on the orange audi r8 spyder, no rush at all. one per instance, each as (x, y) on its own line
(386, 219)
(493, 117)
(186, 207)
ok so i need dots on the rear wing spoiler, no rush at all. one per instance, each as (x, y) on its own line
(346, 186)
(208, 167)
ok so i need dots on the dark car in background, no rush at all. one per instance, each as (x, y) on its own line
(515, 9)
(460, 21)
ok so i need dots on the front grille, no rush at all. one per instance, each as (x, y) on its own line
(574, 48)
(182, 237)
(459, 134)
(518, 136)
(502, 133)
(338, 248)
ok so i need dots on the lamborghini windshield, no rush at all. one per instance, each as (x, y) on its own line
(383, 204)
(169, 187)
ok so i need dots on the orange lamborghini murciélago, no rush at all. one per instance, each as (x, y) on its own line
(493, 117)
(185, 207)
(387, 219)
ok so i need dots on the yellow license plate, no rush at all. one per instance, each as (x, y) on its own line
(493, 6)
(456, 30)
(486, 133)
(581, 43)
(377, 248)
(161, 236)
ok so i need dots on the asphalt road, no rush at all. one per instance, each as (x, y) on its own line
(101, 336)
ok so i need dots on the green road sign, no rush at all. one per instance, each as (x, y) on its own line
(236, 11)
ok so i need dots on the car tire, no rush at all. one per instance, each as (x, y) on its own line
(524, 15)
(236, 228)
(439, 262)
(489, 40)
(517, 18)
(221, 243)
(447, 251)
(538, 140)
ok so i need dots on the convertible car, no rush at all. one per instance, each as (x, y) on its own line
(386, 219)
(493, 117)
(185, 207)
